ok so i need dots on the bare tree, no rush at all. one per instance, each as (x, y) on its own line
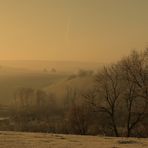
(132, 105)
(133, 71)
(123, 86)
(136, 66)
(108, 87)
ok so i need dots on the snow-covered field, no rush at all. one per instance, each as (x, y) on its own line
(40, 140)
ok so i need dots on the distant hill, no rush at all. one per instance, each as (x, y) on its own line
(8, 70)
(59, 66)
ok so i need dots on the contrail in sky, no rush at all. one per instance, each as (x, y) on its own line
(68, 25)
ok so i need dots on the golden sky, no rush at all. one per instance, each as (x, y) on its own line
(76, 30)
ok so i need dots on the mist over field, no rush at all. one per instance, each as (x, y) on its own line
(36, 74)
(40, 65)
(73, 73)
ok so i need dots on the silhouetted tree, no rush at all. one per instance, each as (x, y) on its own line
(133, 71)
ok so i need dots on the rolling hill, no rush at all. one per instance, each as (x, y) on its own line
(52, 76)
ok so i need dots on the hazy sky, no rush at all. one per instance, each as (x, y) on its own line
(88, 30)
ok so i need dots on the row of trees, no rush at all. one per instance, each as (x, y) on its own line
(117, 105)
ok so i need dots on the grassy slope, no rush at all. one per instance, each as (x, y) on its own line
(78, 84)
(38, 140)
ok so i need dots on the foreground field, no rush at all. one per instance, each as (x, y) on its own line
(37, 140)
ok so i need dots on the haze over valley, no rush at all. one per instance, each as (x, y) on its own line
(73, 73)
